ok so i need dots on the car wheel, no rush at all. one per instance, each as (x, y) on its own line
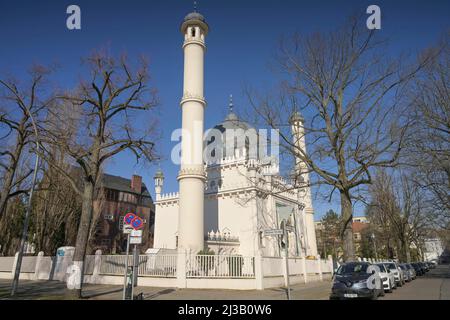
(400, 283)
(390, 288)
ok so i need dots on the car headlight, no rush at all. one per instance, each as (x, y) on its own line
(361, 281)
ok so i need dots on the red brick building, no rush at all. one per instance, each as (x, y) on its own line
(120, 196)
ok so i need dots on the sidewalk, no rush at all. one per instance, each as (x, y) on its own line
(55, 290)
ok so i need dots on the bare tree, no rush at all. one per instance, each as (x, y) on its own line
(18, 102)
(429, 147)
(56, 209)
(103, 107)
(399, 212)
(352, 97)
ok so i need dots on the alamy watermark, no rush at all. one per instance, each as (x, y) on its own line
(211, 147)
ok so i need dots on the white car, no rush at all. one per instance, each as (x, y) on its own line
(398, 274)
(387, 277)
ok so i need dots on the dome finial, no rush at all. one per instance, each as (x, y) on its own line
(231, 103)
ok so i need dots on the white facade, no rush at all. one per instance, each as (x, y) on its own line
(433, 249)
(240, 196)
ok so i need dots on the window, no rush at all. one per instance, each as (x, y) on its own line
(193, 32)
(121, 222)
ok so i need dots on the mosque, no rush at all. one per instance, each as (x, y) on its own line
(229, 200)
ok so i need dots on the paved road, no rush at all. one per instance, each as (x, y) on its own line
(434, 285)
(55, 290)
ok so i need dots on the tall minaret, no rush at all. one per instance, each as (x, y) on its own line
(297, 123)
(192, 174)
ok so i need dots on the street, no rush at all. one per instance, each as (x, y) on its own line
(435, 285)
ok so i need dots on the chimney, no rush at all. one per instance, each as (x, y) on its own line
(136, 183)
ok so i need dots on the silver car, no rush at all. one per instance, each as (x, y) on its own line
(411, 270)
(395, 269)
(406, 274)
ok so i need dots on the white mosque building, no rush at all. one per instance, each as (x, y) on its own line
(226, 205)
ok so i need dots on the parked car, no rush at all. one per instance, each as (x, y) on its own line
(406, 274)
(424, 266)
(411, 270)
(387, 277)
(393, 266)
(418, 269)
(351, 282)
(431, 264)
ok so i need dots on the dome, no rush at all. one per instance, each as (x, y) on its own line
(296, 117)
(231, 122)
(159, 174)
(194, 16)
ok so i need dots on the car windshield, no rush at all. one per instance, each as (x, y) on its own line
(390, 265)
(352, 268)
(402, 267)
(382, 267)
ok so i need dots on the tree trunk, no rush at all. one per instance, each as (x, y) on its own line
(10, 173)
(407, 252)
(347, 231)
(82, 239)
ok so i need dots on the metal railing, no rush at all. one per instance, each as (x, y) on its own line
(220, 266)
(158, 265)
(149, 265)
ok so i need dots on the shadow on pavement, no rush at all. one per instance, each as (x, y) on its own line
(93, 295)
(157, 294)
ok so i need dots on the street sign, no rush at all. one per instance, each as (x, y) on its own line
(135, 240)
(273, 232)
(133, 220)
(136, 233)
(289, 228)
(127, 229)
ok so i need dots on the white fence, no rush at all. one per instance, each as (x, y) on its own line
(272, 266)
(6, 264)
(176, 270)
(220, 266)
(149, 265)
(158, 265)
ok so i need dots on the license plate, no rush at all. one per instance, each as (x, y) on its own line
(350, 295)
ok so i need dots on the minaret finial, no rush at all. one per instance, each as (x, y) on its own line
(231, 103)
(195, 6)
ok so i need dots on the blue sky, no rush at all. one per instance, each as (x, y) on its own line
(241, 44)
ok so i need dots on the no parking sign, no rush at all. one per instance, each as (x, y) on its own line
(133, 220)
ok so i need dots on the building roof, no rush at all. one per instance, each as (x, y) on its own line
(232, 121)
(122, 184)
(359, 226)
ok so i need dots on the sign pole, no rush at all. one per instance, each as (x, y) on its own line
(286, 254)
(126, 268)
(133, 280)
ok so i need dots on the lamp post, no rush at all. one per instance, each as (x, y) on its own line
(28, 211)
(374, 245)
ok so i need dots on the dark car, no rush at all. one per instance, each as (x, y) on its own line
(419, 270)
(424, 266)
(351, 282)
